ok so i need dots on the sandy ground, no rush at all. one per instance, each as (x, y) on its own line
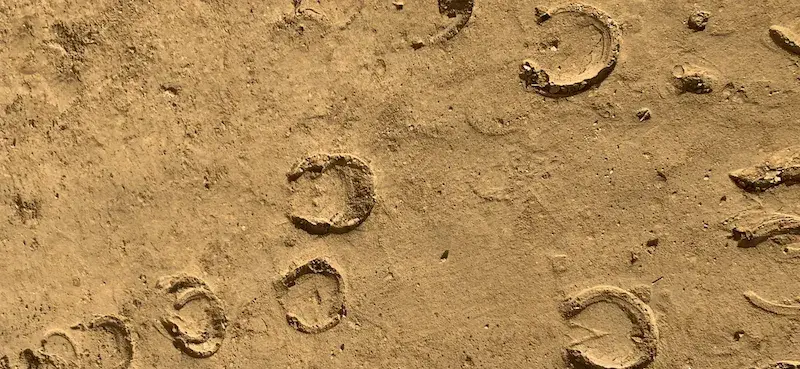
(364, 184)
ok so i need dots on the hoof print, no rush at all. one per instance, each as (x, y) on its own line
(40, 360)
(785, 38)
(644, 335)
(60, 344)
(208, 340)
(123, 338)
(782, 167)
(313, 296)
(751, 229)
(537, 79)
(359, 193)
(66, 354)
(458, 13)
(783, 365)
(337, 14)
(771, 306)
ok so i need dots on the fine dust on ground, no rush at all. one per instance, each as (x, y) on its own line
(399, 184)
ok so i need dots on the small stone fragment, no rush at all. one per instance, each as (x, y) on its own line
(558, 263)
(643, 114)
(541, 15)
(398, 4)
(785, 38)
(782, 167)
(693, 79)
(699, 20)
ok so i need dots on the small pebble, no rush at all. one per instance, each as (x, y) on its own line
(693, 79)
(699, 20)
(559, 263)
(643, 114)
(398, 5)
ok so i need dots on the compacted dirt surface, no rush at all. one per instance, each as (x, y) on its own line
(378, 184)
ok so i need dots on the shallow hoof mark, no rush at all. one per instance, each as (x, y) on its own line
(338, 14)
(359, 189)
(122, 336)
(195, 344)
(771, 306)
(783, 365)
(645, 333)
(459, 12)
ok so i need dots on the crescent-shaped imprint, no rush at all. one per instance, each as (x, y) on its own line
(459, 12)
(122, 336)
(771, 306)
(339, 14)
(783, 365)
(73, 350)
(35, 360)
(338, 311)
(186, 289)
(539, 80)
(782, 167)
(31, 359)
(359, 186)
(750, 230)
(644, 336)
(785, 38)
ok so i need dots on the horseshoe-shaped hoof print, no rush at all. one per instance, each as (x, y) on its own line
(459, 11)
(201, 344)
(122, 336)
(359, 186)
(644, 335)
(537, 79)
(335, 310)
